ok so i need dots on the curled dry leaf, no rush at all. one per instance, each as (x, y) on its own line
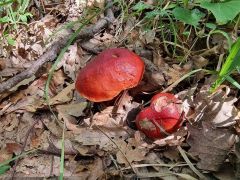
(217, 108)
(211, 145)
(71, 61)
(175, 139)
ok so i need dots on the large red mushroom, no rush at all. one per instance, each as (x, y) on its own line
(109, 73)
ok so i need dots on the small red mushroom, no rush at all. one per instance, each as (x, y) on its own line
(109, 73)
(161, 118)
(167, 105)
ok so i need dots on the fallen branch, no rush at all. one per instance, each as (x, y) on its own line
(53, 51)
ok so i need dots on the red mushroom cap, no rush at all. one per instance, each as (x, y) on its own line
(150, 123)
(161, 118)
(109, 73)
(167, 105)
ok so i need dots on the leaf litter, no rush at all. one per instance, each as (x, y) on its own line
(99, 141)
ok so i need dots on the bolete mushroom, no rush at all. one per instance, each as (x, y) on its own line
(161, 118)
(109, 73)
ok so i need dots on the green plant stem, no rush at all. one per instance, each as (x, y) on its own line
(19, 156)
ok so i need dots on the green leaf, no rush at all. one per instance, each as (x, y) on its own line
(186, 33)
(187, 16)
(10, 40)
(5, 19)
(2, 3)
(23, 18)
(3, 169)
(211, 26)
(233, 59)
(231, 63)
(223, 11)
(234, 82)
(140, 6)
(153, 14)
(171, 6)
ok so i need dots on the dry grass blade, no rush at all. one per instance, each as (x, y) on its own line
(197, 172)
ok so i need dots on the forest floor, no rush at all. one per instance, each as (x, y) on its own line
(190, 49)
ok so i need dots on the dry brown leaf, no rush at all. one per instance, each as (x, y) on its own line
(95, 137)
(55, 145)
(83, 150)
(217, 108)
(153, 158)
(104, 118)
(17, 127)
(9, 122)
(10, 72)
(199, 61)
(235, 159)
(176, 72)
(29, 103)
(69, 112)
(24, 82)
(64, 96)
(75, 110)
(5, 155)
(172, 153)
(34, 166)
(14, 148)
(132, 152)
(57, 80)
(72, 61)
(174, 139)
(210, 145)
(51, 124)
(226, 173)
(96, 169)
(113, 117)
(148, 36)
(39, 139)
